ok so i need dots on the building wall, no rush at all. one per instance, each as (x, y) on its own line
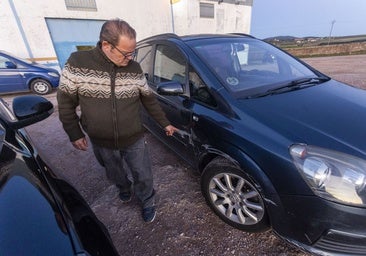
(228, 17)
(25, 33)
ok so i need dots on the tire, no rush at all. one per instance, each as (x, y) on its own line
(40, 86)
(233, 196)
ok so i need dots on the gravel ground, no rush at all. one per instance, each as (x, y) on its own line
(184, 224)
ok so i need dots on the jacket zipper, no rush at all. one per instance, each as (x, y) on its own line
(114, 107)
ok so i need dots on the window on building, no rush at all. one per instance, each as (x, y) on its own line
(81, 5)
(207, 10)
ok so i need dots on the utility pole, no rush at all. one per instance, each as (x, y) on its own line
(331, 29)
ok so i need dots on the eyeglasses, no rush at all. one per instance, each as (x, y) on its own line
(127, 54)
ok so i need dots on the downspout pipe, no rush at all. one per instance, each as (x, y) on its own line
(21, 30)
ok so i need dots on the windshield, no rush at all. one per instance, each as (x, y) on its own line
(249, 66)
(15, 57)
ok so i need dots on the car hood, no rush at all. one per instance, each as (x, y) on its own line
(43, 67)
(330, 115)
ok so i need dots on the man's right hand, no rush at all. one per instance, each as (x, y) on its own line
(81, 144)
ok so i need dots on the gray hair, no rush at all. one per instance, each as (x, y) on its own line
(113, 29)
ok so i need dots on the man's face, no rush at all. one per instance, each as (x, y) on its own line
(121, 53)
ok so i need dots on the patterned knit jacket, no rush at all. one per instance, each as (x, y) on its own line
(109, 97)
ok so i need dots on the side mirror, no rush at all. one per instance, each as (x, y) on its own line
(30, 109)
(171, 88)
(11, 65)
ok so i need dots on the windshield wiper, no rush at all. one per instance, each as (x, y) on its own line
(293, 85)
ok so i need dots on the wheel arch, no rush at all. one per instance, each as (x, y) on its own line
(33, 78)
(44, 80)
(241, 160)
(247, 165)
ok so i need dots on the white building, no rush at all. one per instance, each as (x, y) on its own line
(48, 31)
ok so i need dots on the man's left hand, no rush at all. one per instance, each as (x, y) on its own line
(170, 129)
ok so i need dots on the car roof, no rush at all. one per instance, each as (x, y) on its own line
(6, 53)
(185, 38)
(10, 55)
(205, 36)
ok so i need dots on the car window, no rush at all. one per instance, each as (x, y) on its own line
(144, 58)
(2, 137)
(199, 90)
(247, 65)
(3, 61)
(6, 115)
(5, 112)
(169, 65)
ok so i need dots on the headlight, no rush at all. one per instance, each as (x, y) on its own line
(332, 175)
(54, 74)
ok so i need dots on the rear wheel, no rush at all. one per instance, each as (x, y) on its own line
(233, 196)
(40, 86)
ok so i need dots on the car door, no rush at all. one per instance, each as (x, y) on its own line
(166, 63)
(11, 79)
(170, 64)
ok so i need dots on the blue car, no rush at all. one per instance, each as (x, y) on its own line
(279, 145)
(19, 75)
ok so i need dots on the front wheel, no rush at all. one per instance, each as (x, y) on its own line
(40, 86)
(233, 196)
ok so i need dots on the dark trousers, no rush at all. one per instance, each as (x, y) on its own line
(135, 159)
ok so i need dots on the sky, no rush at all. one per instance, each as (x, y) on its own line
(301, 18)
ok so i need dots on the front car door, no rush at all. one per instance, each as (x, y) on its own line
(170, 64)
(11, 79)
(166, 63)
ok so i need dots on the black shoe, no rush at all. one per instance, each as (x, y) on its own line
(125, 196)
(148, 214)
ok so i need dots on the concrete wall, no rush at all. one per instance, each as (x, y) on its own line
(337, 49)
(31, 16)
(24, 31)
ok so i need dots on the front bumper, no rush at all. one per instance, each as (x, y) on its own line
(320, 226)
(54, 81)
(342, 243)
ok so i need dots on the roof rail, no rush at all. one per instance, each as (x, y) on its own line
(163, 36)
(242, 34)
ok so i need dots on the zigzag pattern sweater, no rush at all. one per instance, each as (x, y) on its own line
(109, 97)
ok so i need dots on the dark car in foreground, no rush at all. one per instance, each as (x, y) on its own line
(40, 213)
(279, 145)
(20, 75)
